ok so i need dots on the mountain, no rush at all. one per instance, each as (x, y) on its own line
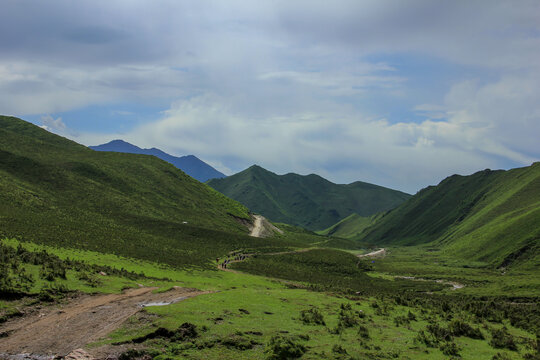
(490, 216)
(190, 164)
(57, 192)
(308, 201)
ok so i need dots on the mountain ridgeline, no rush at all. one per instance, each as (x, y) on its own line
(490, 216)
(190, 164)
(308, 201)
(57, 192)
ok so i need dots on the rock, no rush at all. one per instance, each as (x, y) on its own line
(78, 354)
(102, 273)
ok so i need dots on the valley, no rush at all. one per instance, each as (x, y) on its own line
(119, 255)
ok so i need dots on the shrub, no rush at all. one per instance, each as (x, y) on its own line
(363, 332)
(500, 356)
(502, 339)
(284, 347)
(461, 328)
(426, 339)
(347, 318)
(439, 333)
(312, 316)
(338, 349)
(449, 348)
(401, 320)
(238, 342)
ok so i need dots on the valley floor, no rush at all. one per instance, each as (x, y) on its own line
(241, 316)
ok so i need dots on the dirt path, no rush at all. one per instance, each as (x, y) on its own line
(59, 329)
(455, 285)
(257, 226)
(377, 253)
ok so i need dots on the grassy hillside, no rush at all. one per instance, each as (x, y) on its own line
(490, 216)
(55, 191)
(309, 201)
(352, 226)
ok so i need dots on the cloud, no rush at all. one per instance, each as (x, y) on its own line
(53, 125)
(401, 155)
(352, 90)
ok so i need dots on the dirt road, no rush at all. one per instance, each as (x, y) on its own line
(377, 253)
(257, 226)
(59, 329)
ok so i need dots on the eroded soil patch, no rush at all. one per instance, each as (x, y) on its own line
(60, 329)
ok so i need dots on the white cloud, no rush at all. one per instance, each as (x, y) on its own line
(346, 149)
(53, 125)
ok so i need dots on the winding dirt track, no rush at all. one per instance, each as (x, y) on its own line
(60, 329)
(377, 253)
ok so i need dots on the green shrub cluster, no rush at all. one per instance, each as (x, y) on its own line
(281, 347)
(312, 316)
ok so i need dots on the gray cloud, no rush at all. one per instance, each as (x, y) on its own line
(289, 84)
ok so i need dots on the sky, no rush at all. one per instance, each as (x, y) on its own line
(396, 93)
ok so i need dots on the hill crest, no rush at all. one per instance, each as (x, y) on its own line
(190, 164)
(310, 201)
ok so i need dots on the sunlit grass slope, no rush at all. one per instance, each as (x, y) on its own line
(57, 192)
(349, 227)
(308, 201)
(490, 216)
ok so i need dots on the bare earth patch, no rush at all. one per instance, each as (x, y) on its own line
(60, 329)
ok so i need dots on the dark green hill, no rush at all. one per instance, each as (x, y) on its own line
(55, 191)
(490, 216)
(309, 201)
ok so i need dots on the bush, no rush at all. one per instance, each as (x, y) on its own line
(500, 356)
(284, 347)
(312, 316)
(449, 348)
(184, 332)
(52, 292)
(363, 332)
(439, 333)
(401, 320)
(461, 328)
(338, 349)
(238, 342)
(502, 339)
(347, 318)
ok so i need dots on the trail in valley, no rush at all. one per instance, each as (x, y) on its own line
(59, 329)
(455, 285)
(377, 253)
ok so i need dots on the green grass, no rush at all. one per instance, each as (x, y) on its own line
(350, 227)
(490, 216)
(327, 269)
(308, 201)
(56, 192)
(240, 315)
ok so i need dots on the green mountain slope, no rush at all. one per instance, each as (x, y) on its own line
(352, 226)
(309, 201)
(490, 216)
(57, 192)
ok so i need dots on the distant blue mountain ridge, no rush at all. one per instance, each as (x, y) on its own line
(190, 164)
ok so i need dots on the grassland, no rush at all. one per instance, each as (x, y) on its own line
(350, 227)
(135, 206)
(254, 317)
(491, 217)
